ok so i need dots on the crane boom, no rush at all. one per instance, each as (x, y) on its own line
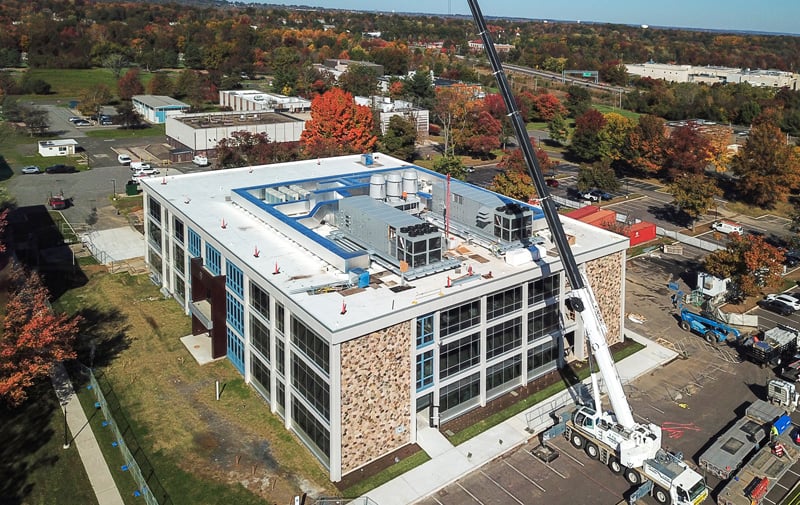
(583, 300)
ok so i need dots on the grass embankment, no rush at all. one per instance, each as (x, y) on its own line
(34, 466)
(201, 450)
(385, 476)
(69, 84)
(155, 130)
(605, 109)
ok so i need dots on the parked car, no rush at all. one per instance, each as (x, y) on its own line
(595, 195)
(82, 122)
(60, 169)
(200, 161)
(106, 122)
(140, 165)
(776, 306)
(785, 298)
(124, 159)
(72, 119)
(553, 183)
(144, 172)
(791, 258)
(31, 169)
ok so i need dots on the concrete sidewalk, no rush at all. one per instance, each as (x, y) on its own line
(449, 463)
(83, 437)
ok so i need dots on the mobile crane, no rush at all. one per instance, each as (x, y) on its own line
(614, 437)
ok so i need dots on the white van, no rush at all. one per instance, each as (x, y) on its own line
(727, 227)
(200, 161)
(139, 165)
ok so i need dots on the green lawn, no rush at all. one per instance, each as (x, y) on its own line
(117, 133)
(605, 109)
(34, 466)
(68, 84)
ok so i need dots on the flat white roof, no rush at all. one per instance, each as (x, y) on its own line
(159, 101)
(58, 142)
(208, 201)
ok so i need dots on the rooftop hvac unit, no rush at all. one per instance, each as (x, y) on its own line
(410, 182)
(377, 188)
(394, 186)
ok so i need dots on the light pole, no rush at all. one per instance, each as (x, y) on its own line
(114, 194)
(66, 429)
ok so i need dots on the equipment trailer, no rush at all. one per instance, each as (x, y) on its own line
(771, 347)
(759, 476)
(746, 435)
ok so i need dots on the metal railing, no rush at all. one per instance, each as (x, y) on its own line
(149, 487)
(364, 500)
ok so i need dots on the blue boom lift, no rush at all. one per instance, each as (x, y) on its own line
(714, 332)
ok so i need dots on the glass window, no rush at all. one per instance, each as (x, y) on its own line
(503, 337)
(178, 230)
(259, 337)
(235, 313)
(194, 244)
(180, 289)
(424, 330)
(234, 279)
(460, 392)
(311, 386)
(543, 289)
(542, 358)
(503, 373)
(179, 260)
(154, 209)
(459, 355)
(259, 373)
(280, 319)
(313, 429)
(281, 395)
(259, 300)
(280, 356)
(155, 261)
(460, 318)
(311, 344)
(424, 370)
(235, 350)
(503, 303)
(213, 260)
(543, 321)
(154, 233)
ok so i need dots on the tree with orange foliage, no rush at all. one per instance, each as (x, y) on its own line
(338, 126)
(514, 180)
(750, 262)
(547, 106)
(719, 138)
(130, 85)
(34, 337)
(644, 148)
(686, 151)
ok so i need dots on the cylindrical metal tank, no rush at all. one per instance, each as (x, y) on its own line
(377, 186)
(410, 183)
(394, 184)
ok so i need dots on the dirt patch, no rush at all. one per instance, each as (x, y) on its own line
(377, 466)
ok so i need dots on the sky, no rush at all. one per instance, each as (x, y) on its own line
(776, 16)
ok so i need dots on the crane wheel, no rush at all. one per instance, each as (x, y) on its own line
(661, 496)
(710, 337)
(633, 477)
(576, 440)
(684, 326)
(591, 450)
(615, 466)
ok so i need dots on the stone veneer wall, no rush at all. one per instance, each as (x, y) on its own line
(376, 395)
(605, 278)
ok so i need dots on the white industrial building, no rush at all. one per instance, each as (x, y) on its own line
(713, 75)
(388, 108)
(251, 100)
(156, 108)
(199, 134)
(355, 292)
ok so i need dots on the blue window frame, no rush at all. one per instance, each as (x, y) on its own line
(213, 259)
(236, 351)
(425, 370)
(235, 313)
(194, 244)
(234, 279)
(424, 330)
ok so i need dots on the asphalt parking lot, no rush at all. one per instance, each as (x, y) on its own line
(693, 398)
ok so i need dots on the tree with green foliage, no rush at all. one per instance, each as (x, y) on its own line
(578, 100)
(420, 90)
(586, 142)
(450, 165)
(614, 135)
(93, 98)
(359, 80)
(558, 130)
(36, 120)
(400, 138)
(768, 169)
(597, 175)
(160, 84)
(286, 65)
(693, 194)
(116, 62)
(127, 115)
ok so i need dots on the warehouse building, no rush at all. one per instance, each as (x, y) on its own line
(355, 292)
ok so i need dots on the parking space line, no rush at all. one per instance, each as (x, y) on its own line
(502, 488)
(524, 476)
(548, 466)
(570, 456)
(471, 495)
(437, 500)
